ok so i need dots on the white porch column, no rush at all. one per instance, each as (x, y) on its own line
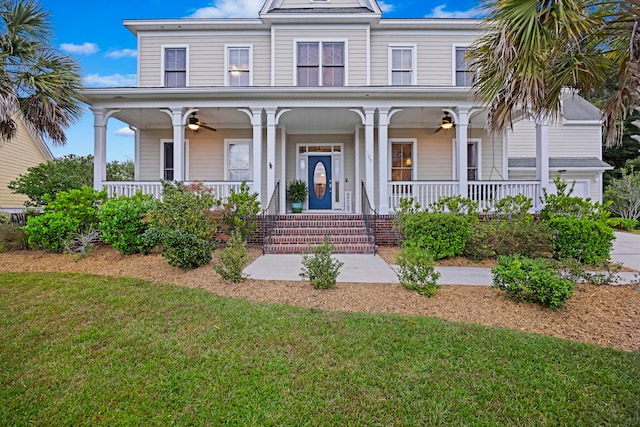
(178, 144)
(383, 161)
(462, 124)
(271, 150)
(136, 153)
(357, 201)
(368, 152)
(100, 118)
(542, 151)
(283, 169)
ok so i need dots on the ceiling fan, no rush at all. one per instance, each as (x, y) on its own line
(447, 123)
(194, 124)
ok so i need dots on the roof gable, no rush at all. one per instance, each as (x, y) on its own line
(325, 6)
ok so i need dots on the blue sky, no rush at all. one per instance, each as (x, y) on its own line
(106, 50)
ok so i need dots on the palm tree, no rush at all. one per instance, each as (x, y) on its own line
(36, 81)
(536, 49)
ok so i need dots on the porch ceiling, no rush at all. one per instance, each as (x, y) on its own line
(298, 120)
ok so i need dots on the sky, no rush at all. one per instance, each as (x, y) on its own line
(106, 50)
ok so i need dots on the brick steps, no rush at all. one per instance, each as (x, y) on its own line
(294, 234)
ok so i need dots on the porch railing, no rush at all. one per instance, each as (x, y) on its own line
(428, 192)
(270, 214)
(369, 215)
(221, 189)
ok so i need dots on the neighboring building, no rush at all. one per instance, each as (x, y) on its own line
(17, 155)
(329, 92)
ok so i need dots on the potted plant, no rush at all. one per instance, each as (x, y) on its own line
(297, 193)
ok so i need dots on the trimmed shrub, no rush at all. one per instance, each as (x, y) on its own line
(319, 267)
(182, 225)
(562, 204)
(12, 238)
(122, 225)
(72, 212)
(186, 250)
(524, 236)
(232, 259)
(457, 205)
(513, 207)
(584, 239)
(5, 218)
(626, 224)
(417, 270)
(443, 235)
(241, 212)
(532, 280)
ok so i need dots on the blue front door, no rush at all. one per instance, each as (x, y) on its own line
(319, 182)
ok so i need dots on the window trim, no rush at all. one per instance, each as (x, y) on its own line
(163, 49)
(414, 59)
(454, 69)
(227, 143)
(228, 47)
(320, 41)
(186, 157)
(478, 142)
(414, 159)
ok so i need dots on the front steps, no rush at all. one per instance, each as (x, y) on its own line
(294, 233)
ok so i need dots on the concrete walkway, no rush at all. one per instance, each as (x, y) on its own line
(373, 269)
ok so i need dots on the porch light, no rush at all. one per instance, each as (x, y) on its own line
(194, 123)
(447, 121)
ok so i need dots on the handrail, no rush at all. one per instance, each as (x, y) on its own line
(270, 213)
(368, 213)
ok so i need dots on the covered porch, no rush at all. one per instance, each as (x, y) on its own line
(393, 145)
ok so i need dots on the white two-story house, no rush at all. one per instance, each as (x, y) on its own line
(330, 92)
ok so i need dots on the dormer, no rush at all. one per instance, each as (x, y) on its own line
(310, 11)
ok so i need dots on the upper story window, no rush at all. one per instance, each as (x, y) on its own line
(320, 64)
(402, 65)
(175, 67)
(464, 68)
(239, 65)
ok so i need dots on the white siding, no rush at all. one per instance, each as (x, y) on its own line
(564, 141)
(356, 45)
(206, 56)
(434, 54)
(582, 180)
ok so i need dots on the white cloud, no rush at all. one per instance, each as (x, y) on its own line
(79, 49)
(122, 53)
(113, 80)
(385, 7)
(125, 131)
(439, 12)
(230, 9)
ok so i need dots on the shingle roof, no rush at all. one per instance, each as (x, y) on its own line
(560, 162)
(576, 107)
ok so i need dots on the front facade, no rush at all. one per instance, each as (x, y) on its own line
(328, 92)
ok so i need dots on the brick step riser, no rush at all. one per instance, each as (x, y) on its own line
(300, 249)
(318, 224)
(316, 240)
(318, 217)
(317, 231)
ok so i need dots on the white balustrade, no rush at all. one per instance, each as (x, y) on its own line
(485, 192)
(222, 189)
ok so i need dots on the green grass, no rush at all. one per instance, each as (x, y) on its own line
(87, 350)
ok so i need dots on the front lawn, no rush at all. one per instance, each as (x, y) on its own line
(89, 350)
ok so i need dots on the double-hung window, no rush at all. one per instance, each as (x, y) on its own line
(464, 67)
(238, 160)
(175, 67)
(320, 64)
(402, 161)
(402, 65)
(239, 66)
(472, 161)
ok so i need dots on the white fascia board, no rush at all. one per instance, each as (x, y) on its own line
(183, 24)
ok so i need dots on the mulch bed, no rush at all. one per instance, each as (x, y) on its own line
(605, 315)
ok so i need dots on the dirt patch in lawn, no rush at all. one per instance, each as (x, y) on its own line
(606, 315)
